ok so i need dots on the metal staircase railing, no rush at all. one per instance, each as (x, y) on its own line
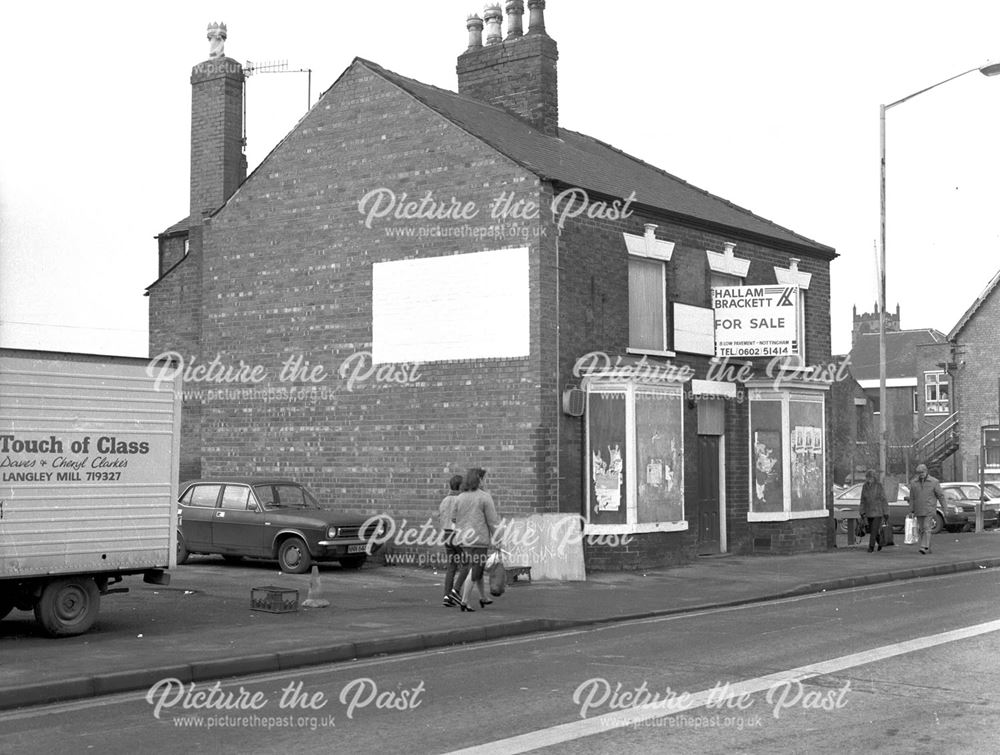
(940, 442)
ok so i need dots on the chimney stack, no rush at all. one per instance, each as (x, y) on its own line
(218, 165)
(517, 73)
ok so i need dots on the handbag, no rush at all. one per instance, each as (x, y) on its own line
(859, 529)
(497, 573)
(910, 537)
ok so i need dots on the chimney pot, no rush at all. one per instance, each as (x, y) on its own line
(493, 17)
(536, 21)
(216, 40)
(475, 26)
(515, 14)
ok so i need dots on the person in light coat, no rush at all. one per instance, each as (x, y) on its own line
(476, 524)
(925, 494)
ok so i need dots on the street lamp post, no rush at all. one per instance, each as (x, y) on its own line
(990, 69)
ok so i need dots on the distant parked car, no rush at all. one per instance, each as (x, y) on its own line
(950, 515)
(967, 494)
(268, 518)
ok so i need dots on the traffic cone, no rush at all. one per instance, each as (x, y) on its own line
(313, 599)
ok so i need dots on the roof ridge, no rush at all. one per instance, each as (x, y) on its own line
(382, 70)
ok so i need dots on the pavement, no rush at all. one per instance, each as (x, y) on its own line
(201, 627)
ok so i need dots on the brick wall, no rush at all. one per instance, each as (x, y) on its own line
(218, 165)
(175, 317)
(978, 390)
(288, 274)
(518, 75)
(593, 316)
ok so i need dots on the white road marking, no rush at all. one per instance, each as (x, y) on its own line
(307, 671)
(555, 735)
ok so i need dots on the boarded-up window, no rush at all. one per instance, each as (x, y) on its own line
(647, 326)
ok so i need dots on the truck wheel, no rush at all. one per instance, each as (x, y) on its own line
(182, 551)
(293, 556)
(353, 562)
(68, 606)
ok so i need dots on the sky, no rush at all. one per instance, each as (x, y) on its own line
(772, 105)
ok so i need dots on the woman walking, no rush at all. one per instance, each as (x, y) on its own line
(875, 508)
(476, 523)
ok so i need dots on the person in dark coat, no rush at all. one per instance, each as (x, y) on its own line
(875, 508)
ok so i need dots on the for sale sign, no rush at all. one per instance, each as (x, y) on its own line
(756, 321)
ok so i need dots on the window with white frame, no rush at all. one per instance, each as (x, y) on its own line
(787, 454)
(991, 447)
(935, 393)
(635, 457)
(647, 291)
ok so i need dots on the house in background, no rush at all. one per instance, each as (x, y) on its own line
(426, 280)
(918, 388)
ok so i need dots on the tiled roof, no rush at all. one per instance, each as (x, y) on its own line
(900, 353)
(971, 311)
(581, 161)
(181, 226)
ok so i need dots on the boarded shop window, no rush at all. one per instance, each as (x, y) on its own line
(647, 311)
(787, 455)
(635, 458)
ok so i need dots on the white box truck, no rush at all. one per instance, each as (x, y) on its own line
(89, 449)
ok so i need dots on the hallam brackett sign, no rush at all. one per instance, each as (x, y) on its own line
(755, 321)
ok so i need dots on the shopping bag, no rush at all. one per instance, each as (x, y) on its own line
(497, 573)
(910, 537)
(860, 529)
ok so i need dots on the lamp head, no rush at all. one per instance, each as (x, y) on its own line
(990, 69)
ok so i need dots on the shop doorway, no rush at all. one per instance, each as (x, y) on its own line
(709, 540)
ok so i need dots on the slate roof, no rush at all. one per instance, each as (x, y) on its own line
(971, 311)
(579, 160)
(181, 226)
(900, 353)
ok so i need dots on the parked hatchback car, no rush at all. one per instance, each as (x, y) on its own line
(967, 495)
(273, 519)
(950, 515)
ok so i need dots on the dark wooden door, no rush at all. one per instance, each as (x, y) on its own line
(709, 531)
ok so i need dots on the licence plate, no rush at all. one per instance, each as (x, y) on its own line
(355, 548)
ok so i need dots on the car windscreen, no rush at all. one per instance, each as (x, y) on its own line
(285, 496)
(993, 491)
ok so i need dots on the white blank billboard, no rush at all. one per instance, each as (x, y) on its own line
(461, 306)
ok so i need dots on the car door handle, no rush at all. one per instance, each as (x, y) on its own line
(220, 514)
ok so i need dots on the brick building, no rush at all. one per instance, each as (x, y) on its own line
(975, 365)
(426, 280)
(918, 388)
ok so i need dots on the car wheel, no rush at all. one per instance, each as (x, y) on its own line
(68, 606)
(6, 606)
(293, 556)
(842, 525)
(353, 562)
(936, 523)
(182, 551)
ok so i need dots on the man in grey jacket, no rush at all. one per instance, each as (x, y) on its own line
(925, 492)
